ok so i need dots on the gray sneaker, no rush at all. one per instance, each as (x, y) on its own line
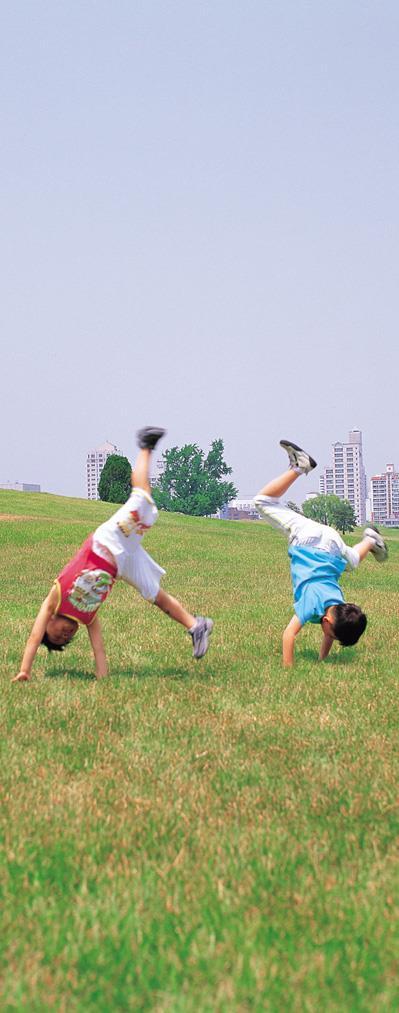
(200, 634)
(148, 437)
(380, 548)
(298, 458)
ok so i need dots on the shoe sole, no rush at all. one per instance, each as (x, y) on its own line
(381, 555)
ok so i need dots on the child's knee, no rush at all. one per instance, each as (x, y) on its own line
(261, 500)
(264, 504)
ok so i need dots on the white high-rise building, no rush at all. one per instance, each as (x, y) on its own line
(346, 478)
(94, 466)
(385, 497)
(326, 482)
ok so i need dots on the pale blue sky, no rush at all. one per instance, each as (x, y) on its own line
(199, 213)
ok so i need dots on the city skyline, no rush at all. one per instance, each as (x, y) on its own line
(381, 490)
(110, 447)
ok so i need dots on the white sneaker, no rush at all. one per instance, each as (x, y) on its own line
(299, 459)
(380, 548)
(200, 634)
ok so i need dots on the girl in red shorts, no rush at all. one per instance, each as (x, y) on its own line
(113, 552)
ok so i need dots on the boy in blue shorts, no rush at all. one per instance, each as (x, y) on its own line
(318, 557)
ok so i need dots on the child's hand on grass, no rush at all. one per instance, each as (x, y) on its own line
(21, 677)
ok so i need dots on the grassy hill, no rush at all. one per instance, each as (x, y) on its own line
(214, 835)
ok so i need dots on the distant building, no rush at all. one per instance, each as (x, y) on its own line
(20, 486)
(94, 466)
(326, 482)
(346, 477)
(385, 497)
(158, 468)
(239, 510)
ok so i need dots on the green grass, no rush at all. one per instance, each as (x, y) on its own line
(185, 836)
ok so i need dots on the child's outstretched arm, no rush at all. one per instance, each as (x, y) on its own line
(97, 643)
(290, 632)
(36, 635)
(325, 646)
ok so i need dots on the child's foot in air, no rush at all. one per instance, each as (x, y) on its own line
(380, 548)
(147, 438)
(299, 459)
(200, 634)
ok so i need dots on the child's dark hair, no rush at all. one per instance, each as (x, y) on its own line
(349, 623)
(49, 644)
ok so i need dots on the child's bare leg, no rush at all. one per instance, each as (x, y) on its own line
(278, 486)
(364, 547)
(141, 471)
(147, 439)
(172, 607)
(300, 464)
(268, 499)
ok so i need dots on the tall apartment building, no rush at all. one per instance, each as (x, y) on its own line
(385, 497)
(94, 466)
(346, 476)
(326, 482)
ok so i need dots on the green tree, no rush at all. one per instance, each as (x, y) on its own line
(114, 485)
(342, 515)
(317, 509)
(192, 483)
(332, 510)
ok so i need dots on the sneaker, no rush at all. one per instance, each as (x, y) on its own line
(380, 548)
(148, 437)
(299, 459)
(200, 634)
